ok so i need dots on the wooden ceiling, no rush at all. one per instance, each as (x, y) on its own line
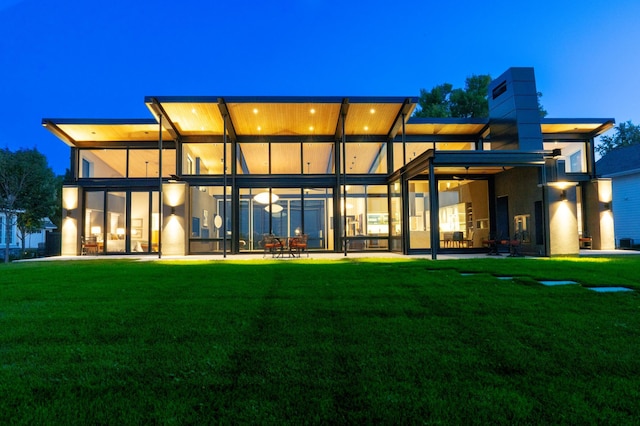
(576, 127)
(284, 119)
(90, 132)
(444, 128)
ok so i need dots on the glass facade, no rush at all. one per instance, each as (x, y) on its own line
(419, 215)
(292, 212)
(572, 155)
(121, 163)
(463, 214)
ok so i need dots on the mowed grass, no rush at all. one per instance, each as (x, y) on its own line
(345, 341)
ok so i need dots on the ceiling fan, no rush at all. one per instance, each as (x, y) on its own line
(466, 176)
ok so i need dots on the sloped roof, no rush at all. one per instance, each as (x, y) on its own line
(619, 161)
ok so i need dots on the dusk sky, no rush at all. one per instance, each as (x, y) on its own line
(85, 59)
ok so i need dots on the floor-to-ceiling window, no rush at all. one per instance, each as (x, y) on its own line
(285, 212)
(419, 215)
(143, 221)
(207, 225)
(367, 211)
(395, 216)
(94, 220)
(115, 228)
(115, 224)
(463, 214)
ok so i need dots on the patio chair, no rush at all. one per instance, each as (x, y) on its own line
(271, 244)
(299, 244)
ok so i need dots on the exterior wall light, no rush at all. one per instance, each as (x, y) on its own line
(563, 195)
(173, 211)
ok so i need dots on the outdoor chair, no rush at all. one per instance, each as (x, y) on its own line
(271, 244)
(298, 244)
(515, 245)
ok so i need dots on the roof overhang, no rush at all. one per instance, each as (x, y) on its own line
(574, 128)
(295, 117)
(90, 132)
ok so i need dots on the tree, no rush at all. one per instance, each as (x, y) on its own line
(471, 102)
(27, 188)
(626, 134)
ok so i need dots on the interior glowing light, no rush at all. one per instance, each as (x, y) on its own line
(312, 111)
(275, 208)
(255, 110)
(366, 128)
(193, 111)
(311, 128)
(259, 128)
(263, 198)
(372, 111)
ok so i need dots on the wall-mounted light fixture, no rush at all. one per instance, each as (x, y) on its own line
(606, 206)
(69, 212)
(563, 195)
(173, 211)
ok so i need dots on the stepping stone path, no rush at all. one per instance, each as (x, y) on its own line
(553, 283)
(609, 289)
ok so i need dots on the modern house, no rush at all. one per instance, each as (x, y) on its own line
(215, 174)
(622, 166)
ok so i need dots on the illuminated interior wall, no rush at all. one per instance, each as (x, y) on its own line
(175, 227)
(71, 215)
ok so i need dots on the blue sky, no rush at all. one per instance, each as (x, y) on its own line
(85, 59)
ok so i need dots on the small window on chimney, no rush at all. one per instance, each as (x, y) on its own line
(499, 90)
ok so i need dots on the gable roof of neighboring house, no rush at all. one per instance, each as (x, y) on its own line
(619, 162)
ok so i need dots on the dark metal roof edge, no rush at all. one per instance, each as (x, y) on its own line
(99, 121)
(446, 120)
(577, 120)
(280, 99)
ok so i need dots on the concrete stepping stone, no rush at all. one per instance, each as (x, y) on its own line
(609, 289)
(554, 283)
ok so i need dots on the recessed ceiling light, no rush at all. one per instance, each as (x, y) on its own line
(311, 128)
(193, 110)
(372, 111)
(313, 111)
(255, 110)
(366, 128)
(259, 128)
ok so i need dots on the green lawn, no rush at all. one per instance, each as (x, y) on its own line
(343, 341)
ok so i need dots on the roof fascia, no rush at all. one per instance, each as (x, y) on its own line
(99, 121)
(447, 120)
(281, 99)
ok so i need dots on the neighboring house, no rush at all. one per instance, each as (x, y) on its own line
(622, 166)
(212, 174)
(32, 241)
